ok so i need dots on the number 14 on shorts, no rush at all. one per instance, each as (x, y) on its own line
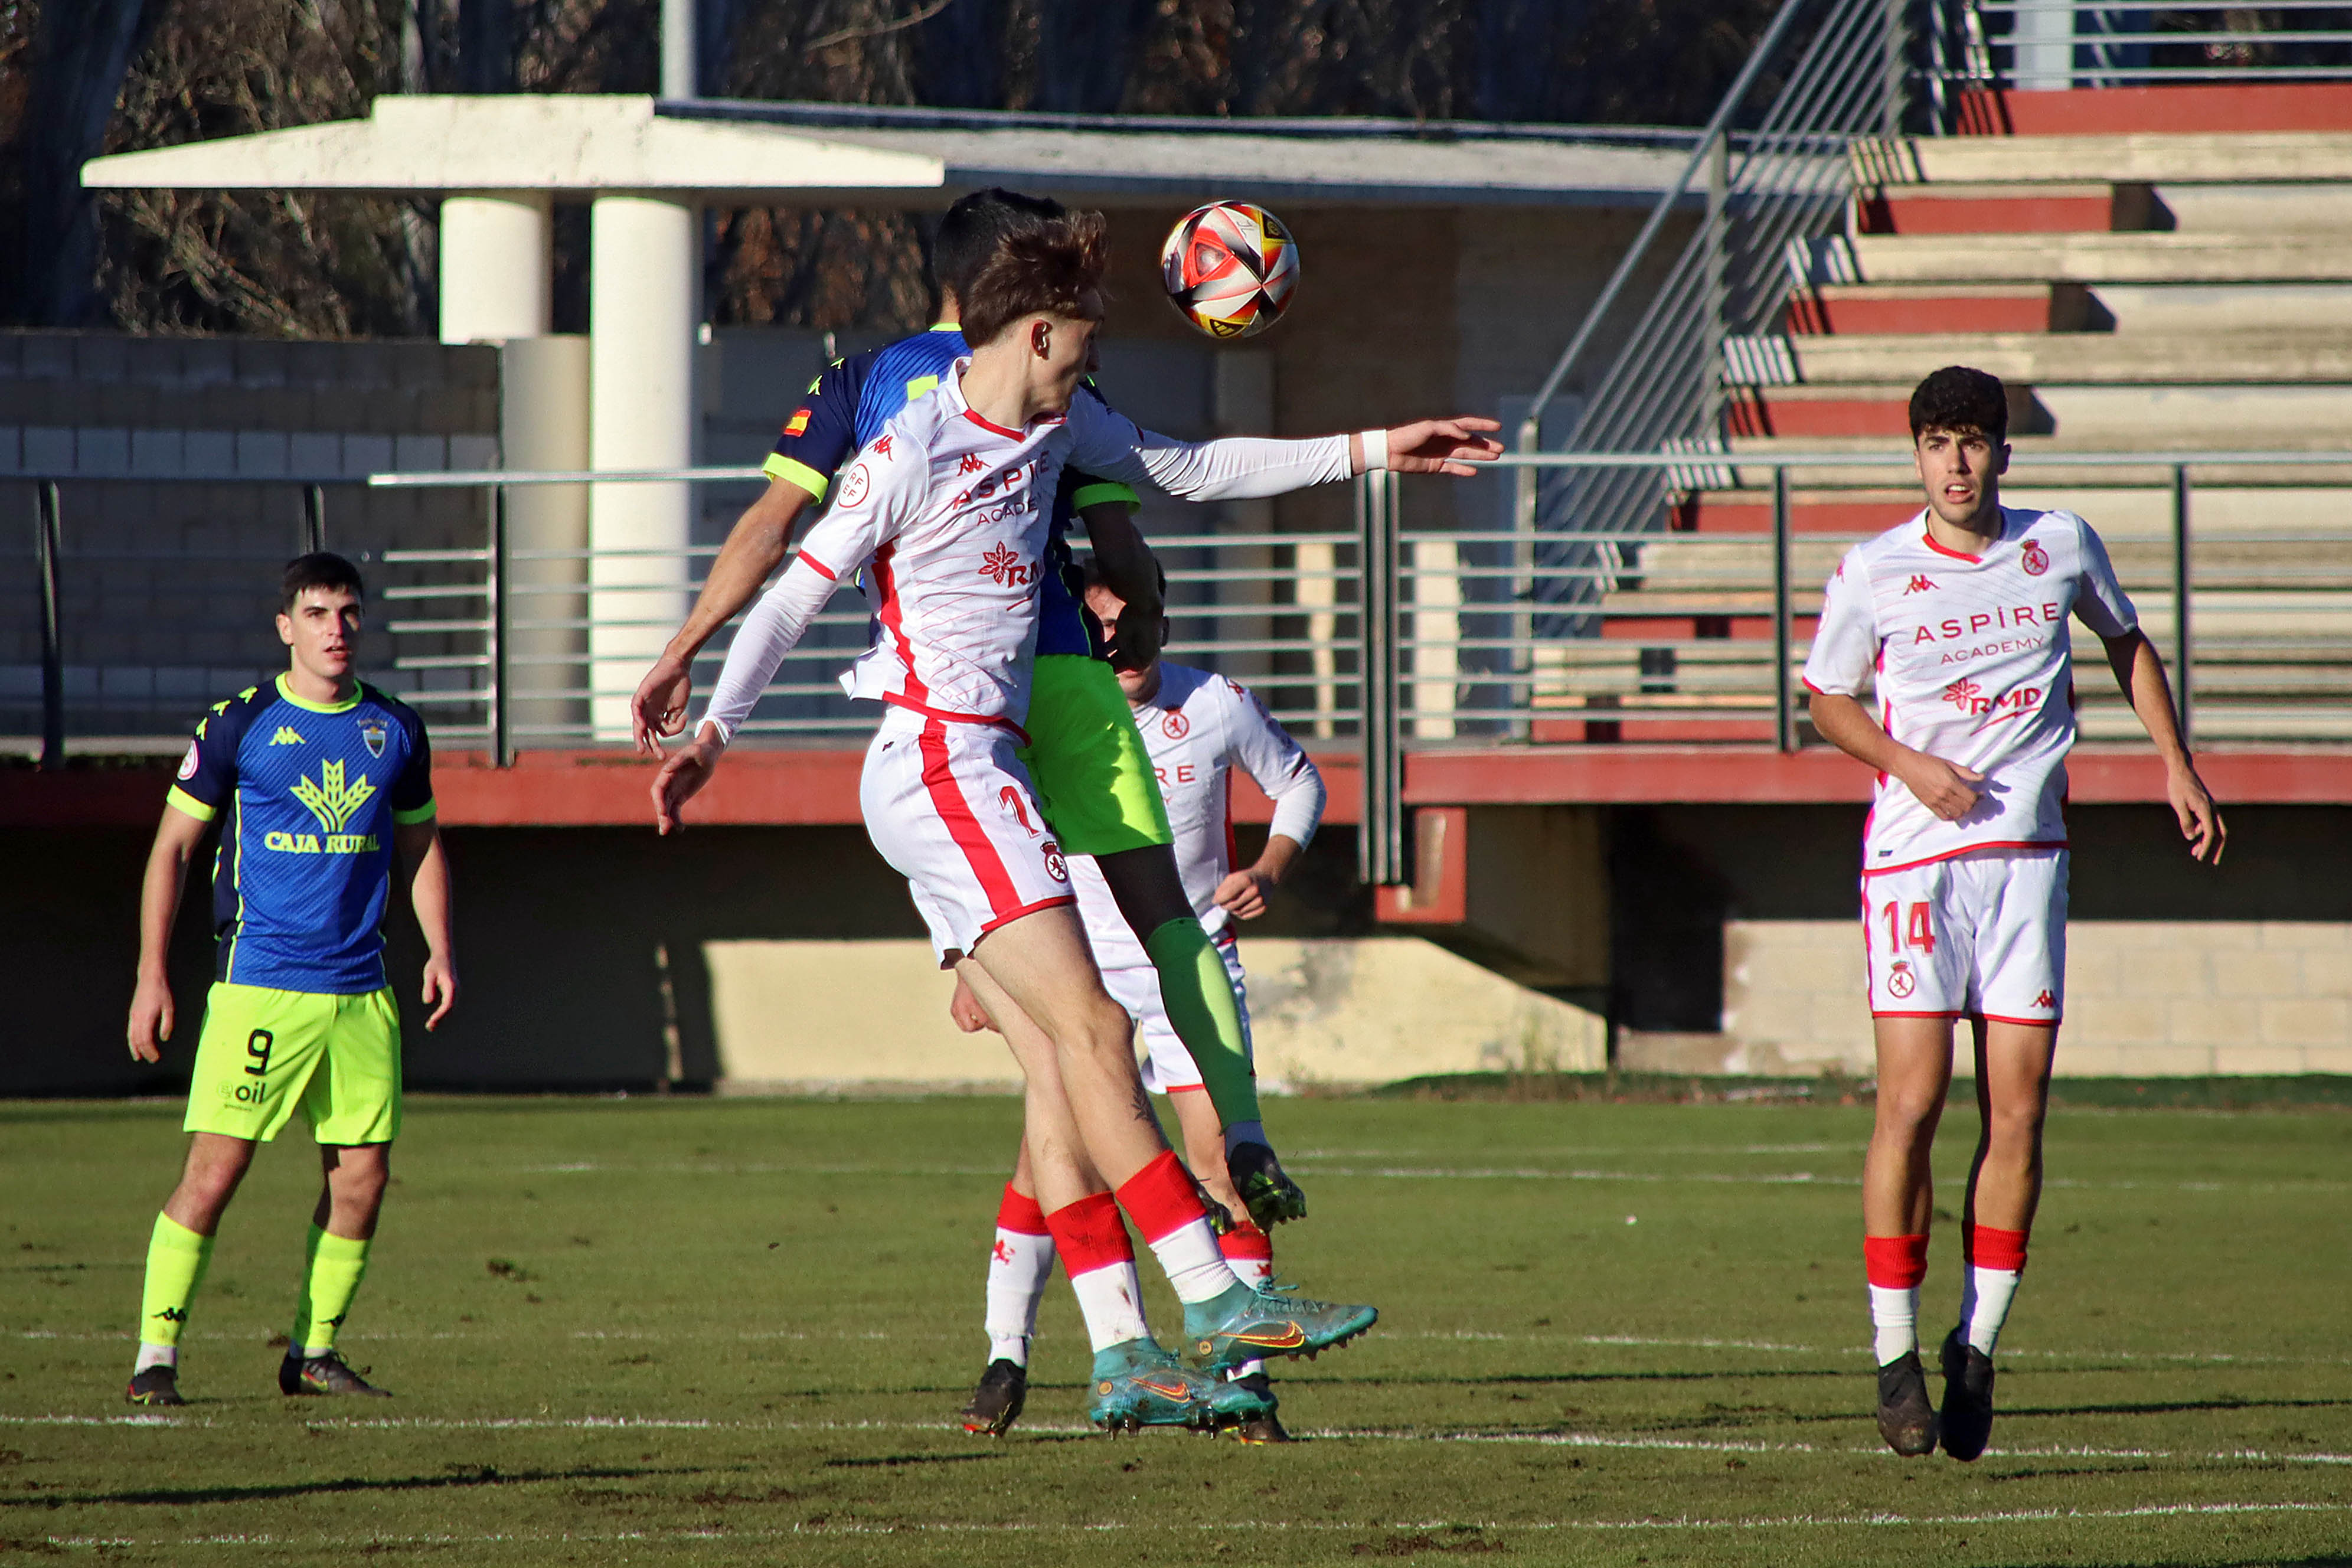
(1914, 929)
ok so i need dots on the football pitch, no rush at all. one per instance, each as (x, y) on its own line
(737, 1332)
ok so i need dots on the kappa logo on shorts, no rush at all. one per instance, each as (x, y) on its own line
(1900, 982)
(1175, 726)
(1056, 867)
(2045, 1000)
(1009, 797)
(2033, 558)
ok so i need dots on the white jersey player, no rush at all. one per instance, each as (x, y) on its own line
(950, 508)
(1956, 625)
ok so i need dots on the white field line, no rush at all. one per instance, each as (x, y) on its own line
(1788, 1522)
(1374, 1434)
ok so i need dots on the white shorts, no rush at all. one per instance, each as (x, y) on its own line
(950, 805)
(1977, 936)
(1167, 1064)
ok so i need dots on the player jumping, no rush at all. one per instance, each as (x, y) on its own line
(1197, 726)
(1961, 613)
(317, 779)
(949, 510)
(1093, 779)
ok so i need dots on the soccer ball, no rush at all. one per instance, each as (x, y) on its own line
(1229, 269)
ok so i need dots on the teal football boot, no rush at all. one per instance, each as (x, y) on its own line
(1246, 1324)
(1139, 1384)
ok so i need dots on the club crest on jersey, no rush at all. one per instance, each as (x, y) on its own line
(1056, 867)
(1900, 982)
(1009, 797)
(2033, 558)
(1175, 726)
(188, 762)
(372, 734)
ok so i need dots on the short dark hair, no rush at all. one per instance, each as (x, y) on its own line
(320, 569)
(1048, 271)
(1961, 400)
(973, 228)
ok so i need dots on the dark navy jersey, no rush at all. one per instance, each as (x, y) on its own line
(307, 794)
(846, 408)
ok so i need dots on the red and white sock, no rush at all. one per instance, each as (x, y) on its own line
(1895, 1264)
(1996, 1260)
(1250, 1253)
(1018, 1267)
(1100, 1262)
(1167, 1211)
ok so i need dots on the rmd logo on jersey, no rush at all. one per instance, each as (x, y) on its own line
(1969, 698)
(1005, 566)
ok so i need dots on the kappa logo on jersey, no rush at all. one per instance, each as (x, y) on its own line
(1175, 726)
(288, 736)
(188, 764)
(1004, 566)
(854, 487)
(1009, 797)
(1056, 867)
(2045, 1000)
(882, 445)
(971, 464)
(798, 423)
(372, 733)
(1900, 982)
(2033, 558)
(1920, 583)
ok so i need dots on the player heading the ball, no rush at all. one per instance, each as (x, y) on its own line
(1961, 614)
(947, 508)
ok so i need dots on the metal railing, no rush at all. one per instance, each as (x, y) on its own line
(1985, 45)
(1771, 194)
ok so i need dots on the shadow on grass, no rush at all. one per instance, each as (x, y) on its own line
(458, 1476)
(2149, 1407)
(892, 1461)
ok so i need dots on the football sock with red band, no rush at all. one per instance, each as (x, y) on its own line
(1018, 1267)
(1167, 1211)
(1894, 1264)
(1996, 1260)
(1100, 1260)
(1250, 1252)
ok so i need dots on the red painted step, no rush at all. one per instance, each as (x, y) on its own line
(1886, 309)
(2184, 106)
(1717, 512)
(1647, 731)
(2003, 209)
(1659, 630)
(1771, 411)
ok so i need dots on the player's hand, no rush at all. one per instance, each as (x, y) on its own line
(2201, 820)
(440, 987)
(1948, 789)
(1135, 641)
(682, 777)
(1442, 446)
(1242, 894)
(659, 707)
(151, 1018)
(965, 1009)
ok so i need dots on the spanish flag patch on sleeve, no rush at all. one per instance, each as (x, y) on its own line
(798, 423)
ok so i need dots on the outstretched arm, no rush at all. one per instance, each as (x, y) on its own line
(2139, 671)
(1241, 468)
(419, 844)
(755, 548)
(176, 839)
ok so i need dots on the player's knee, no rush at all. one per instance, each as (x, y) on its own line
(1909, 1112)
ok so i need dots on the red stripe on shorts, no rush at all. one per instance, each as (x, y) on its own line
(947, 798)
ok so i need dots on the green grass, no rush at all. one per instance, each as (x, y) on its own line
(734, 1333)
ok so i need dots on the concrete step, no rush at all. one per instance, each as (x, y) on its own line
(1891, 308)
(1881, 460)
(2240, 517)
(1806, 412)
(2150, 359)
(2155, 157)
(2237, 207)
(2005, 208)
(2234, 417)
(2140, 257)
(2131, 308)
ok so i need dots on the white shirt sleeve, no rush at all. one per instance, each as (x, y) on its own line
(877, 496)
(1845, 644)
(2100, 601)
(1237, 468)
(1264, 750)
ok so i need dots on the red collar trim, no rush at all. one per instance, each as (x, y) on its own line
(989, 424)
(1928, 537)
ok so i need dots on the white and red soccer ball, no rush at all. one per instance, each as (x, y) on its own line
(1230, 268)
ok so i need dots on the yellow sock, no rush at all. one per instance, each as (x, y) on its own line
(176, 1257)
(333, 1266)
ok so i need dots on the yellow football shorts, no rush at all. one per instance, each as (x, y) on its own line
(1094, 778)
(263, 1052)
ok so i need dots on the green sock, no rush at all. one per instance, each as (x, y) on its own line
(176, 1257)
(1198, 996)
(331, 1277)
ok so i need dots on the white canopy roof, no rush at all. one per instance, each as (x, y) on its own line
(834, 156)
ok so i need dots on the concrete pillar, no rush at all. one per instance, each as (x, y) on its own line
(1436, 637)
(498, 265)
(644, 305)
(543, 426)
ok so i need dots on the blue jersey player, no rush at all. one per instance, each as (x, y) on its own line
(318, 782)
(1093, 774)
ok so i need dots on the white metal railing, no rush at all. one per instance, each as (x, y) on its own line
(2052, 45)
